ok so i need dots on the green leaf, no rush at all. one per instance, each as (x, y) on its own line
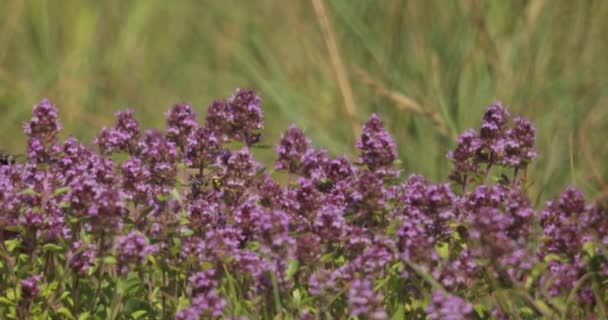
(187, 232)
(52, 247)
(176, 195)
(443, 250)
(10, 294)
(134, 306)
(261, 146)
(589, 248)
(65, 312)
(328, 257)
(152, 260)
(6, 301)
(551, 257)
(109, 260)
(11, 245)
(18, 228)
(297, 297)
(292, 268)
(60, 191)
(84, 316)
(138, 314)
(29, 191)
(399, 314)
(64, 295)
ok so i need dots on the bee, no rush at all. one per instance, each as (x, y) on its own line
(216, 182)
(196, 182)
(7, 159)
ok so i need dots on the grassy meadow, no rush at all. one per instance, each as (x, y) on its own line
(428, 68)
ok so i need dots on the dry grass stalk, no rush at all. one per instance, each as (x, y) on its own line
(337, 65)
(403, 102)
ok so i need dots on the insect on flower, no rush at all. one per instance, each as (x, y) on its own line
(8, 159)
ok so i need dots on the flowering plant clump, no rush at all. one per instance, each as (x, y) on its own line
(185, 223)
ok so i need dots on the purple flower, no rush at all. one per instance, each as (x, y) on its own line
(458, 272)
(42, 132)
(206, 305)
(135, 179)
(494, 120)
(209, 304)
(81, 257)
(107, 208)
(445, 306)
(270, 192)
(10, 204)
(251, 265)
(44, 124)
(239, 169)
(314, 164)
(499, 223)
(431, 205)
(159, 156)
(565, 236)
(368, 197)
(203, 147)
(191, 313)
(132, 249)
(247, 214)
(290, 150)
(519, 147)
(75, 160)
(497, 143)
(464, 156)
(181, 122)
(247, 116)
(123, 136)
(203, 212)
(596, 221)
(376, 145)
(364, 301)
(341, 170)
(560, 222)
(322, 283)
(219, 118)
(413, 243)
(222, 244)
(202, 282)
(376, 258)
(307, 196)
(273, 227)
(29, 287)
(240, 118)
(330, 223)
(193, 249)
(309, 248)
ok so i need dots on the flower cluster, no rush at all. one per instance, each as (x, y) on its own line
(499, 142)
(186, 223)
(446, 306)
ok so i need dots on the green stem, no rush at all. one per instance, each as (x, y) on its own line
(163, 298)
(275, 293)
(579, 284)
(99, 274)
(515, 172)
(76, 294)
(427, 277)
(540, 310)
(601, 304)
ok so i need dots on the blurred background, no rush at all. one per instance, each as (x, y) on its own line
(428, 68)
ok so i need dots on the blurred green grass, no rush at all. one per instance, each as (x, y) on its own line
(545, 59)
